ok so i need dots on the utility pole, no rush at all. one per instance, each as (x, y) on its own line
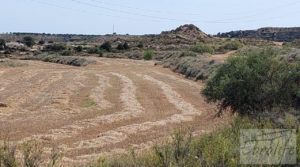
(113, 29)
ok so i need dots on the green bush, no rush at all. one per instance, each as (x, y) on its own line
(94, 50)
(28, 41)
(126, 46)
(106, 46)
(55, 47)
(31, 154)
(294, 44)
(231, 45)
(66, 53)
(8, 155)
(202, 48)
(148, 54)
(78, 49)
(255, 81)
(120, 47)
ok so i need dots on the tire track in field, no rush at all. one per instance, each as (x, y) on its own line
(128, 96)
(186, 108)
(97, 94)
(188, 112)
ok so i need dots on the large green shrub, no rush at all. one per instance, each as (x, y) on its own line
(254, 81)
(28, 41)
(148, 54)
(202, 48)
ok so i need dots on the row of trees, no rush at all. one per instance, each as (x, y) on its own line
(29, 41)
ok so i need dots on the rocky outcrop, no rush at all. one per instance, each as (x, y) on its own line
(269, 33)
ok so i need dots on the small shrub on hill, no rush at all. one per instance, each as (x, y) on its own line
(94, 50)
(231, 45)
(148, 54)
(120, 47)
(78, 49)
(140, 45)
(202, 48)
(66, 53)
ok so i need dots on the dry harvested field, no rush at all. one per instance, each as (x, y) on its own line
(102, 109)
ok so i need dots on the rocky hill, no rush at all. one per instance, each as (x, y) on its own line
(187, 31)
(268, 33)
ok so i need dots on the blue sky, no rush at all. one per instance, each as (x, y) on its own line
(144, 17)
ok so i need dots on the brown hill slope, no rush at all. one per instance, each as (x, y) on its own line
(187, 31)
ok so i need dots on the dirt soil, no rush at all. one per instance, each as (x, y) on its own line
(110, 107)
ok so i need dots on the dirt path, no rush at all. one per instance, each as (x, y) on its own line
(221, 57)
(101, 109)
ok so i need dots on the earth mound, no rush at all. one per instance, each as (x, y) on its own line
(187, 31)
